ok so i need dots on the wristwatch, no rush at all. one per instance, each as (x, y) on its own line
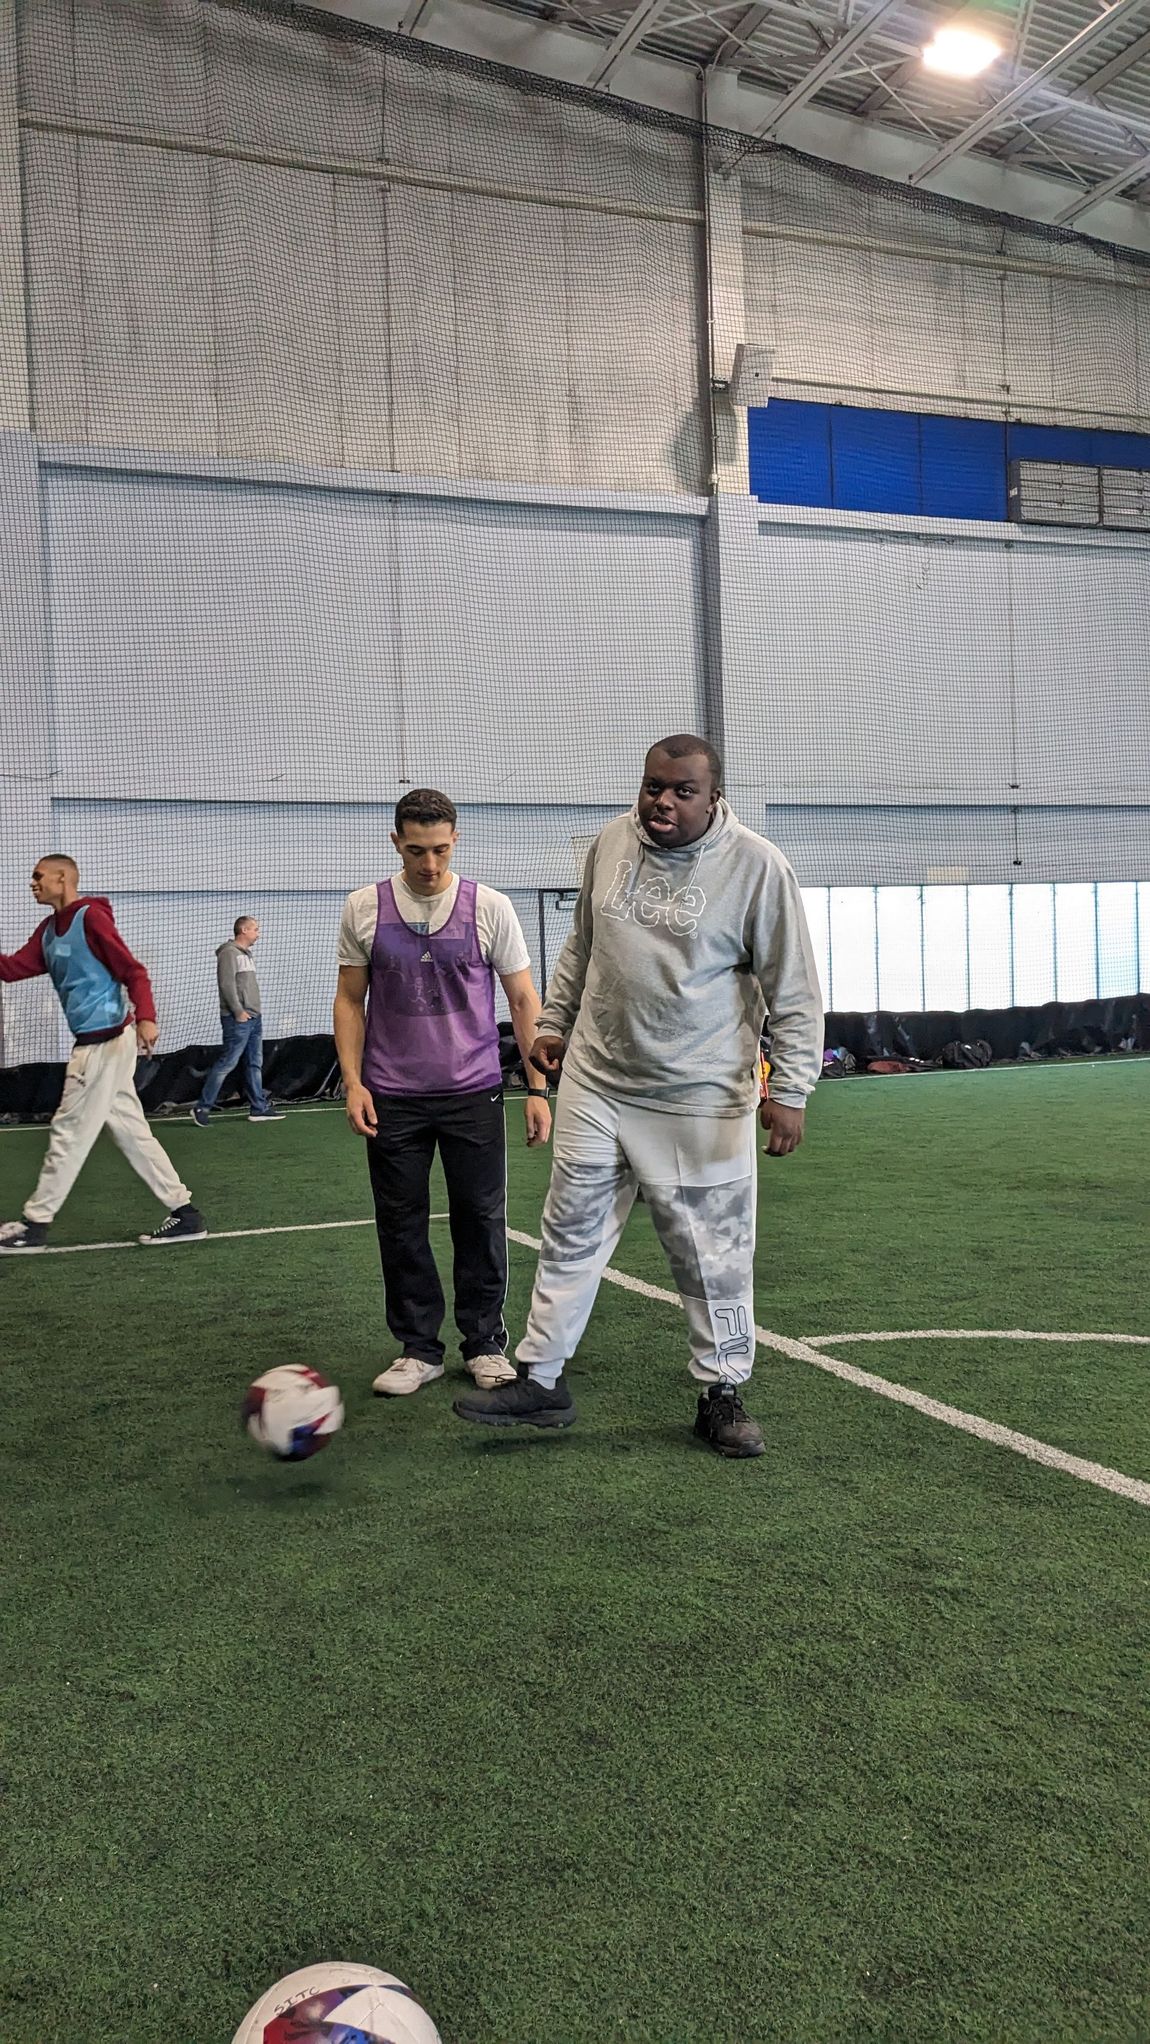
(537, 1092)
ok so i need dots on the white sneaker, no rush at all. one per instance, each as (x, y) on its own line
(491, 1371)
(407, 1374)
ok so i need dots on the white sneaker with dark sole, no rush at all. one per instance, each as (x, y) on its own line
(492, 1370)
(406, 1374)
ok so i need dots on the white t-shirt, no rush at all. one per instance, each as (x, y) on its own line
(502, 944)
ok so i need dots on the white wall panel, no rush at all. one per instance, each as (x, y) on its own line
(881, 672)
(247, 641)
(635, 360)
(1080, 646)
(258, 846)
(1094, 347)
(424, 332)
(1142, 348)
(816, 311)
(45, 64)
(511, 362)
(277, 316)
(889, 846)
(141, 63)
(55, 296)
(535, 619)
(918, 315)
(1028, 340)
(362, 292)
(150, 349)
(212, 640)
(268, 84)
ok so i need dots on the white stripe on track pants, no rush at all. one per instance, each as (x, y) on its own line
(100, 1092)
(697, 1176)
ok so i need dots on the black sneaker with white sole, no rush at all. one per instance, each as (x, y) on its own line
(725, 1424)
(521, 1404)
(23, 1238)
(185, 1224)
(268, 1113)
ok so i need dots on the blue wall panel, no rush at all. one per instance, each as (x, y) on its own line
(789, 445)
(875, 458)
(857, 458)
(963, 468)
(1050, 443)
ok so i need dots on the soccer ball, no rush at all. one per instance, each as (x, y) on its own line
(292, 1411)
(334, 2004)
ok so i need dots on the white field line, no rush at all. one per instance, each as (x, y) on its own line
(216, 1235)
(1078, 1064)
(1130, 1487)
(968, 1334)
(1097, 1473)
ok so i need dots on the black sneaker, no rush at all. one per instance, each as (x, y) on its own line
(268, 1113)
(186, 1224)
(724, 1423)
(23, 1238)
(522, 1404)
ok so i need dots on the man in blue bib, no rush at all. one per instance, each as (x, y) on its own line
(107, 1000)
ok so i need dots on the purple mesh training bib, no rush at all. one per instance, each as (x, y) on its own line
(431, 1004)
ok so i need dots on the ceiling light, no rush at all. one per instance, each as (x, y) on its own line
(961, 52)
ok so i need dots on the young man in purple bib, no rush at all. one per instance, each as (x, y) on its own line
(418, 1048)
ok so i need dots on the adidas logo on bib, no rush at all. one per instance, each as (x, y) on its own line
(426, 959)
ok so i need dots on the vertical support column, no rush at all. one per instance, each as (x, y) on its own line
(15, 400)
(736, 666)
(726, 305)
(28, 1022)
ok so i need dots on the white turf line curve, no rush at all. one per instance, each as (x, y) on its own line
(969, 1334)
(1130, 1487)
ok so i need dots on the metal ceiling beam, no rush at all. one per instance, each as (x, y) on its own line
(732, 49)
(1000, 110)
(832, 60)
(632, 32)
(887, 89)
(1022, 30)
(1081, 95)
(1133, 173)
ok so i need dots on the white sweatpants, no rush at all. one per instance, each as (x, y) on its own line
(697, 1176)
(100, 1092)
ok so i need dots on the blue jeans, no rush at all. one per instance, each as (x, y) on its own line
(243, 1044)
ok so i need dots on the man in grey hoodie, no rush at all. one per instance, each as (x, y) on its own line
(242, 1024)
(689, 930)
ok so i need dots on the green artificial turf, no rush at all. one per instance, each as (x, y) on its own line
(593, 1737)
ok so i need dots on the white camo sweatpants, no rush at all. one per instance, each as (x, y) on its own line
(100, 1092)
(697, 1176)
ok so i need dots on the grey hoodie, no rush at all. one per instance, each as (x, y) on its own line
(674, 958)
(239, 987)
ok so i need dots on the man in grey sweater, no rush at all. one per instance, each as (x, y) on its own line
(242, 1024)
(688, 932)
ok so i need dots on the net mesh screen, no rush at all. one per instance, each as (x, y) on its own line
(369, 442)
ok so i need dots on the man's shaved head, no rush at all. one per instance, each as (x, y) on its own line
(56, 880)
